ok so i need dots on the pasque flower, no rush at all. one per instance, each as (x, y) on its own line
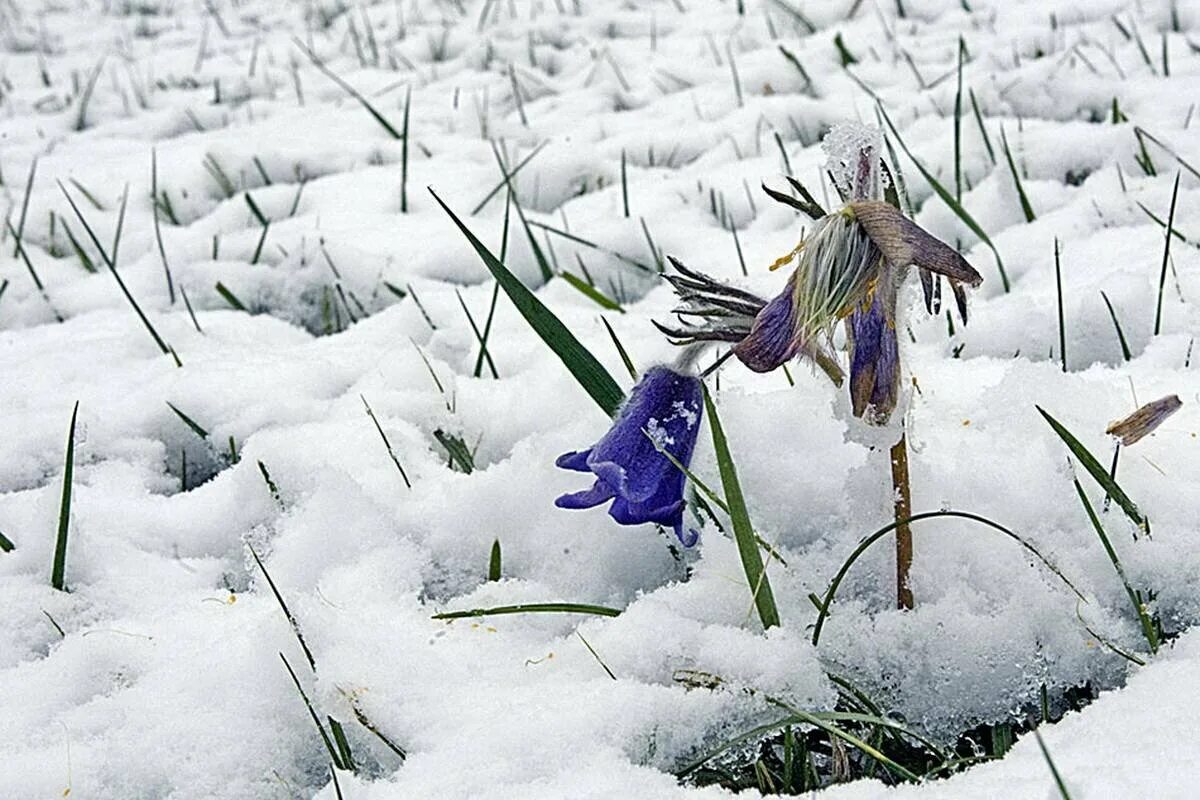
(663, 411)
(850, 267)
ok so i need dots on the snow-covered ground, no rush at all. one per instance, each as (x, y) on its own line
(158, 674)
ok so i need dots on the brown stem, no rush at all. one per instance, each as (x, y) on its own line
(902, 499)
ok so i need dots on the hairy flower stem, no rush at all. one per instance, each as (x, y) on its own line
(902, 506)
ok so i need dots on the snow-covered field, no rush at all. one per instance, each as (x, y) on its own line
(300, 270)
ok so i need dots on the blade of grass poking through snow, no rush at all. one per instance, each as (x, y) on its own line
(312, 663)
(457, 450)
(58, 574)
(348, 89)
(533, 608)
(1138, 608)
(6, 544)
(1058, 780)
(20, 230)
(591, 292)
(625, 359)
(1062, 323)
(478, 335)
(494, 562)
(271, 485)
(112, 267)
(404, 152)
(958, 107)
(1026, 208)
(334, 755)
(886, 529)
(1098, 472)
(535, 248)
(191, 423)
(948, 199)
(507, 177)
(230, 298)
(987, 141)
(589, 372)
(1116, 324)
(1162, 278)
(487, 332)
(743, 530)
(388, 445)
(37, 281)
(162, 251)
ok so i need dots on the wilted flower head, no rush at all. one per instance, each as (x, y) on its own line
(1145, 420)
(851, 267)
(663, 411)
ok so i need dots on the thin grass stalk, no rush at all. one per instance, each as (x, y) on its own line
(58, 573)
(1162, 278)
(743, 530)
(869, 540)
(1062, 324)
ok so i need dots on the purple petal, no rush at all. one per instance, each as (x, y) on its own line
(588, 498)
(774, 338)
(576, 460)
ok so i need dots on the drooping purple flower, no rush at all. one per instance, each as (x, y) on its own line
(663, 411)
(874, 359)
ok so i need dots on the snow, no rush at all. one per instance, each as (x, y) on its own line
(159, 673)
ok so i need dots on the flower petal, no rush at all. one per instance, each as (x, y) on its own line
(576, 460)
(588, 498)
(904, 242)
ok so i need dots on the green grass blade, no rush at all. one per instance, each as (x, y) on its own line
(348, 89)
(1058, 780)
(886, 529)
(387, 444)
(1098, 472)
(404, 152)
(1138, 607)
(58, 575)
(987, 141)
(162, 251)
(1162, 278)
(589, 372)
(532, 608)
(1116, 324)
(191, 423)
(112, 267)
(483, 351)
(312, 712)
(591, 292)
(1026, 208)
(949, 200)
(743, 530)
(494, 562)
(230, 298)
(625, 359)
(312, 663)
(6, 544)
(1062, 322)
